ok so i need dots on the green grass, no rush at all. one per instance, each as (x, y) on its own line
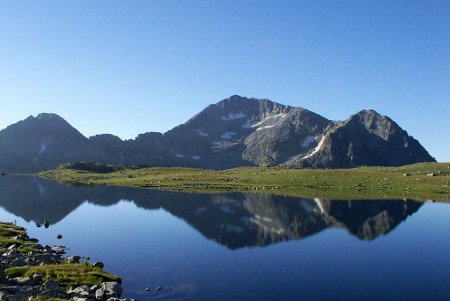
(68, 275)
(8, 232)
(355, 183)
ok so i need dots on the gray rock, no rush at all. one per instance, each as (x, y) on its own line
(81, 291)
(50, 285)
(80, 299)
(21, 281)
(108, 290)
(37, 278)
(58, 250)
(15, 292)
(45, 258)
(3, 296)
(73, 259)
(18, 262)
(99, 264)
(52, 294)
(37, 246)
(12, 247)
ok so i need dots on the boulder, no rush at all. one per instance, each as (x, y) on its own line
(51, 285)
(82, 291)
(18, 262)
(37, 278)
(108, 290)
(22, 281)
(73, 259)
(99, 264)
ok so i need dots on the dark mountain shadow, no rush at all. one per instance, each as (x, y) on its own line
(235, 220)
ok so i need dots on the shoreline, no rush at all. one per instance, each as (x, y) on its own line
(423, 181)
(30, 271)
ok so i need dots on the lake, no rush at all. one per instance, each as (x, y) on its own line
(238, 246)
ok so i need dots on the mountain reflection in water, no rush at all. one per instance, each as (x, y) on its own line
(235, 220)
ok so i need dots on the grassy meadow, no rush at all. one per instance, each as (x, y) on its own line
(410, 181)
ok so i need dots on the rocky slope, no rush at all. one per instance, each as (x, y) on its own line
(236, 131)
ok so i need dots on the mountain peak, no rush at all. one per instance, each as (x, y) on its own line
(47, 116)
(236, 131)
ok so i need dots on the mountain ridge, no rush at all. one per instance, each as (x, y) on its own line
(235, 131)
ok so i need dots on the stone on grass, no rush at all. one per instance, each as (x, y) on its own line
(108, 290)
(99, 264)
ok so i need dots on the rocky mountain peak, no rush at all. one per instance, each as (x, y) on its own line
(236, 131)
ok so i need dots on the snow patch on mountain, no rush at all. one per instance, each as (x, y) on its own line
(265, 127)
(269, 118)
(319, 205)
(41, 190)
(226, 209)
(200, 210)
(248, 124)
(227, 135)
(308, 140)
(196, 158)
(231, 228)
(307, 206)
(234, 116)
(201, 133)
(318, 147)
(43, 148)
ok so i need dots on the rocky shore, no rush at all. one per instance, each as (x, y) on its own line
(30, 271)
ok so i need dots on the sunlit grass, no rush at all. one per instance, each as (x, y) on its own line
(67, 275)
(410, 181)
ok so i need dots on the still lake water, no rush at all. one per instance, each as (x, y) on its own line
(242, 246)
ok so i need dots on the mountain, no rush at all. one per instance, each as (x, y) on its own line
(42, 142)
(236, 131)
(240, 131)
(366, 138)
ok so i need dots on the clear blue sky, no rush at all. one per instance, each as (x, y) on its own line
(128, 67)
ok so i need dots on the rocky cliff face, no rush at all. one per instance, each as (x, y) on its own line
(239, 131)
(366, 138)
(236, 131)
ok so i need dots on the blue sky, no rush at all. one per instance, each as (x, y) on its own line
(128, 67)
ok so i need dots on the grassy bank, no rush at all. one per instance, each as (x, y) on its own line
(411, 181)
(67, 275)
